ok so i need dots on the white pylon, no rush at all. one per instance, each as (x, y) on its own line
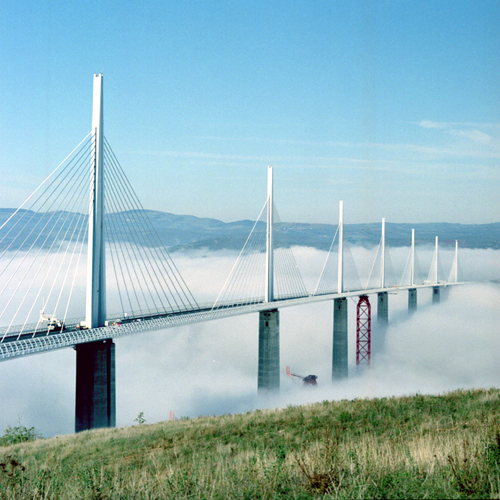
(382, 257)
(412, 260)
(95, 315)
(269, 297)
(340, 282)
(436, 263)
(456, 261)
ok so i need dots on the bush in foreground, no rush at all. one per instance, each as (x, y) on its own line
(18, 434)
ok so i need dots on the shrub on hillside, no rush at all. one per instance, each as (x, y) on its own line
(19, 434)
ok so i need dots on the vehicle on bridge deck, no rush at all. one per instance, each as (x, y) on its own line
(54, 324)
(309, 381)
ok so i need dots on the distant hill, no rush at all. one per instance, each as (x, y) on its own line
(190, 232)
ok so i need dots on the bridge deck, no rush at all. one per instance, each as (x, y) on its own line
(33, 342)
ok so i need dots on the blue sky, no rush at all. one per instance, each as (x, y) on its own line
(391, 105)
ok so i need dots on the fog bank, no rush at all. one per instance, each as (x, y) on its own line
(211, 368)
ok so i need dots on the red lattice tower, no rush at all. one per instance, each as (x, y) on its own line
(363, 330)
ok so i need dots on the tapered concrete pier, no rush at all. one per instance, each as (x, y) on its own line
(382, 309)
(340, 351)
(95, 385)
(412, 300)
(436, 295)
(269, 351)
(378, 334)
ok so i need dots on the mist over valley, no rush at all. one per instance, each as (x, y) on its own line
(211, 368)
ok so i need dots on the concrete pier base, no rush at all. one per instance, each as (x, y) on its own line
(269, 351)
(340, 368)
(95, 385)
(436, 295)
(412, 300)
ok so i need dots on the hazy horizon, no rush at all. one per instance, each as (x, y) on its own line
(333, 222)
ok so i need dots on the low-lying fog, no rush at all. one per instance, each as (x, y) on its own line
(211, 368)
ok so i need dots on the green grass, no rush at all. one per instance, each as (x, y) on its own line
(411, 447)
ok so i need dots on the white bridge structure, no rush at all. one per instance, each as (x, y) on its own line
(82, 241)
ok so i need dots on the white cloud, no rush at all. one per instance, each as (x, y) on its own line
(431, 124)
(473, 135)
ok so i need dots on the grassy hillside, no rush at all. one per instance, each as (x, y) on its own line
(411, 447)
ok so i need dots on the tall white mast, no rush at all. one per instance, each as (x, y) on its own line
(456, 261)
(412, 262)
(96, 285)
(269, 238)
(382, 257)
(340, 285)
(436, 266)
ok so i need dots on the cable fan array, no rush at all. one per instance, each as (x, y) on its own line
(43, 249)
(146, 278)
(246, 282)
(328, 279)
(375, 277)
(327, 282)
(43, 253)
(406, 276)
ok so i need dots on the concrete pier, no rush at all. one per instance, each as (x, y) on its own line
(95, 385)
(382, 309)
(412, 300)
(339, 358)
(436, 295)
(269, 351)
(378, 332)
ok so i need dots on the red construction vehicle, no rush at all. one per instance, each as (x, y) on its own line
(309, 381)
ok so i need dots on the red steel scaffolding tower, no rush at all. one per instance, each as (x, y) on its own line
(363, 330)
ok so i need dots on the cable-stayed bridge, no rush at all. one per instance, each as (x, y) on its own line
(81, 264)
